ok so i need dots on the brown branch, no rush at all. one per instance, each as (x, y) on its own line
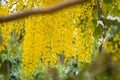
(46, 10)
(98, 71)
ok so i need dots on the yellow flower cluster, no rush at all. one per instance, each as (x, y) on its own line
(67, 32)
(112, 46)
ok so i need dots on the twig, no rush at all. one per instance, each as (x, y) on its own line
(46, 10)
(100, 15)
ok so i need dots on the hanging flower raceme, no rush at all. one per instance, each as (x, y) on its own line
(67, 32)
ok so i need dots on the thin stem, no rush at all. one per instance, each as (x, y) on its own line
(100, 15)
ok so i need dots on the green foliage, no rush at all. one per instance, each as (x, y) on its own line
(101, 69)
(5, 69)
(107, 1)
(98, 31)
(112, 23)
(10, 61)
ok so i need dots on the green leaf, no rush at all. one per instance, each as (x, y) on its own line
(107, 1)
(113, 23)
(5, 69)
(0, 60)
(98, 31)
(1, 40)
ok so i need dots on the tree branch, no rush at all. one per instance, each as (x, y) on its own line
(99, 70)
(46, 10)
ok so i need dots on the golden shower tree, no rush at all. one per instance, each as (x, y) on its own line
(55, 32)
